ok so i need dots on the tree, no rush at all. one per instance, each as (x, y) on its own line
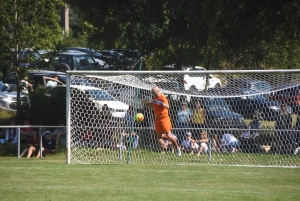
(29, 24)
(239, 33)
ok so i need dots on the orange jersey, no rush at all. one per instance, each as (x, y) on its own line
(162, 119)
(159, 110)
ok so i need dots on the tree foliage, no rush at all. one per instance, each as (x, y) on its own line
(28, 24)
(239, 34)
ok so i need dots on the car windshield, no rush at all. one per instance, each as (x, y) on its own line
(216, 104)
(257, 97)
(100, 95)
(82, 82)
(263, 86)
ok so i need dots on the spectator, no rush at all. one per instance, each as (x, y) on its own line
(203, 142)
(2, 135)
(60, 134)
(295, 139)
(167, 145)
(33, 144)
(27, 87)
(105, 134)
(229, 143)
(53, 83)
(283, 124)
(49, 146)
(199, 115)
(184, 117)
(129, 116)
(132, 140)
(216, 143)
(186, 144)
(12, 134)
(25, 132)
(284, 121)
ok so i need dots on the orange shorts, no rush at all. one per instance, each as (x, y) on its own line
(163, 125)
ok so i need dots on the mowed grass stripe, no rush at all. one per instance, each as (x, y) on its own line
(51, 179)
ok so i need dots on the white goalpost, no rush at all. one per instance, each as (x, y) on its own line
(244, 117)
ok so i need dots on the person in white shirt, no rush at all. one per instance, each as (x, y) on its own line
(229, 143)
(51, 83)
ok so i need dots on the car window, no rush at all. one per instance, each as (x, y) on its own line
(91, 60)
(262, 86)
(81, 61)
(239, 84)
(100, 95)
(257, 97)
(216, 104)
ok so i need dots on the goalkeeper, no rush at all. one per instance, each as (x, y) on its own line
(163, 124)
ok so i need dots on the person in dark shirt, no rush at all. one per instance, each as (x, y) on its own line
(33, 144)
(49, 145)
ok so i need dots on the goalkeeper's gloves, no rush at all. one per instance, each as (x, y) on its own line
(157, 102)
(145, 102)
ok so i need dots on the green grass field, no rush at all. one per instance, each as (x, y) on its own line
(50, 178)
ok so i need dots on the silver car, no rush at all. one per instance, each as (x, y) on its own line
(8, 99)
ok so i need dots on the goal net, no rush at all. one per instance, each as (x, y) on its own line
(218, 117)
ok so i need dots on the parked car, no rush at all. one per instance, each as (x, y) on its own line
(3, 85)
(218, 114)
(35, 76)
(8, 99)
(97, 56)
(74, 61)
(254, 85)
(116, 60)
(289, 94)
(29, 58)
(248, 105)
(100, 97)
(199, 82)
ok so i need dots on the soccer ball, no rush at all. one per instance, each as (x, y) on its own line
(139, 117)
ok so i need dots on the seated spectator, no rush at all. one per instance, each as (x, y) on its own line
(216, 143)
(203, 142)
(60, 134)
(33, 144)
(229, 143)
(186, 144)
(12, 134)
(45, 132)
(295, 138)
(167, 145)
(25, 132)
(49, 146)
(2, 135)
(131, 140)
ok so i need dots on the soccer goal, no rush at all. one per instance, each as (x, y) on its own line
(246, 118)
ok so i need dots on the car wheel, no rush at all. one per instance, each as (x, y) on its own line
(62, 67)
(192, 89)
(218, 85)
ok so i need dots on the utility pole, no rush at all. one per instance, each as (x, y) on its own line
(65, 19)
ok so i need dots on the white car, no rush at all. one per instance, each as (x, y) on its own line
(8, 100)
(197, 82)
(100, 97)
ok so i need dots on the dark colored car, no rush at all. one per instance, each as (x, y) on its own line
(89, 51)
(289, 94)
(35, 76)
(249, 105)
(74, 61)
(219, 117)
(248, 84)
